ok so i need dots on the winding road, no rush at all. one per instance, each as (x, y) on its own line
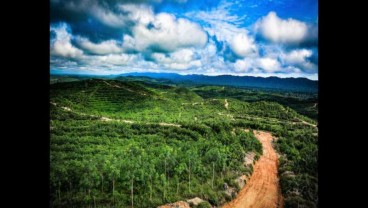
(262, 189)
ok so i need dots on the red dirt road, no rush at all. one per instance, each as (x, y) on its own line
(262, 189)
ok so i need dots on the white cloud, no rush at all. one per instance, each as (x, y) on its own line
(178, 60)
(115, 59)
(208, 55)
(242, 45)
(278, 30)
(107, 17)
(259, 64)
(226, 28)
(62, 46)
(165, 42)
(96, 10)
(162, 31)
(65, 49)
(184, 55)
(276, 60)
(299, 58)
(141, 13)
(243, 65)
(268, 64)
(104, 47)
(167, 33)
(210, 50)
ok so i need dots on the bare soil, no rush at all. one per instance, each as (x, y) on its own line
(262, 190)
(179, 204)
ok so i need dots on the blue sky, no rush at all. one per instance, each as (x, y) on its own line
(212, 37)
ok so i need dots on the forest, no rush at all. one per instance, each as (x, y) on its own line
(144, 143)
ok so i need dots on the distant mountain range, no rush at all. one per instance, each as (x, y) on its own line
(277, 83)
(292, 84)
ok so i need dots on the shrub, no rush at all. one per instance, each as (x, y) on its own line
(204, 205)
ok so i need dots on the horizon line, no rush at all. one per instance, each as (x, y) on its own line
(52, 72)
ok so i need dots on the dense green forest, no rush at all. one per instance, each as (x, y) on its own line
(145, 143)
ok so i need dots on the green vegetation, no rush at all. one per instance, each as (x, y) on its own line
(132, 142)
(204, 205)
(303, 103)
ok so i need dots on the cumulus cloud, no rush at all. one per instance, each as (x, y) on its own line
(141, 13)
(275, 60)
(99, 10)
(258, 65)
(108, 17)
(106, 54)
(61, 45)
(277, 30)
(178, 60)
(165, 33)
(104, 47)
(243, 65)
(268, 64)
(299, 58)
(115, 59)
(242, 45)
(134, 37)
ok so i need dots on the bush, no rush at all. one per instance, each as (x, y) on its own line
(204, 205)
(213, 199)
(256, 157)
(226, 197)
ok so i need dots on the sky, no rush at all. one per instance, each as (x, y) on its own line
(212, 37)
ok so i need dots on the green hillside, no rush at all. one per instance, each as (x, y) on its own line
(114, 142)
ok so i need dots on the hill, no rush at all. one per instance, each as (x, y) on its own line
(114, 142)
(271, 83)
(291, 84)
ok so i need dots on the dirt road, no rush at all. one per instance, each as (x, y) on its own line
(262, 190)
(304, 122)
(104, 118)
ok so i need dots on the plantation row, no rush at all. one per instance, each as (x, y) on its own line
(93, 162)
(104, 164)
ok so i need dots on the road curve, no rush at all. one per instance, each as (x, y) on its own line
(262, 189)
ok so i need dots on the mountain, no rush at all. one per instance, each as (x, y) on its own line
(292, 84)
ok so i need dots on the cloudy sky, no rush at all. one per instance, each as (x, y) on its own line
(212, 37)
